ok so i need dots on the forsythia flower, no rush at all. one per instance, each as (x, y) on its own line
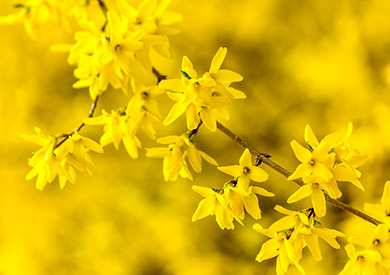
(33, 14)
(60, 158)
(245, 171)
(381, 211)
(143, 108)
(290, 234)
(236, 194)
(202, 98)
(361, 262)
(117, 127)
(377, 241)
(179, 149)
(228, 203)
(323, 164)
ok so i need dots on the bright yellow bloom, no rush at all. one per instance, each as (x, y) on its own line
(117, 127)
(381, 211)
(215, 203)
(202, 98)
(278, 246)
(290, 234)
(317, 162)
(43, 161)
(143, 108)
(60, 159)
(360, 262)
(245, 171)
(377, 240)
(317, 197)
(180, 149)
(33, 14)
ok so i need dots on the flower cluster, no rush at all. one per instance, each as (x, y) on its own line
(290, 235)
(323, 164)
(52, 160)
(179, 150)
(120, 50)
(229, 202)
(202, 98)
(122, 125)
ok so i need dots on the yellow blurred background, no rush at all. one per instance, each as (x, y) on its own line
(323, 63)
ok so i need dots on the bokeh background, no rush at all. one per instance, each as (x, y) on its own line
(323, 63)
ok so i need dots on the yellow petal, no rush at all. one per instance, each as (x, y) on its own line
(269, 249)
(217, 60)
(246, 159)
(302, 154)
(257, 174)
(193, 119)
(252, 206)
(204, 209)
(303, 192)
(318, 201)
(262, 192)
(310, 137)
(314, 247)
(302, 170)
(233, 170)
(195, 159)
(208, 118)
(227, 77)
(385, 200)
(207, 158)
(176, 111)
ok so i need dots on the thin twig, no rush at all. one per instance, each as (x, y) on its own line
(264, 158)
(104, 10)
(158, 75)
(91, 112)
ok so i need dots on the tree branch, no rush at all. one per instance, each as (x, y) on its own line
(264, 158)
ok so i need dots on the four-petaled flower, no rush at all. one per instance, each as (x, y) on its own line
(245, 171)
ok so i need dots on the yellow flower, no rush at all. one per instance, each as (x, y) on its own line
(179, 149)
(317, 197)
(143, 108)
(290, 234)
(245, 171)
(317, 162)
(361, 262)
(33, 14)
(215, 203)
(43, 161)
(117, 127)
(278, 246)
(60, 157)
(377, 240)
(202, 98)
(381, 211)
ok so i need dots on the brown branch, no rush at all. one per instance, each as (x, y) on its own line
(264, 158)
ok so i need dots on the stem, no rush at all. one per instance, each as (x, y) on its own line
(158, 75)
(91, 112)
(104, 10)
(262, 157)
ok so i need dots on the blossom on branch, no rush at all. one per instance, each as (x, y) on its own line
(202, 98)
(60, 155)
(179, 150)
(323, 164)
